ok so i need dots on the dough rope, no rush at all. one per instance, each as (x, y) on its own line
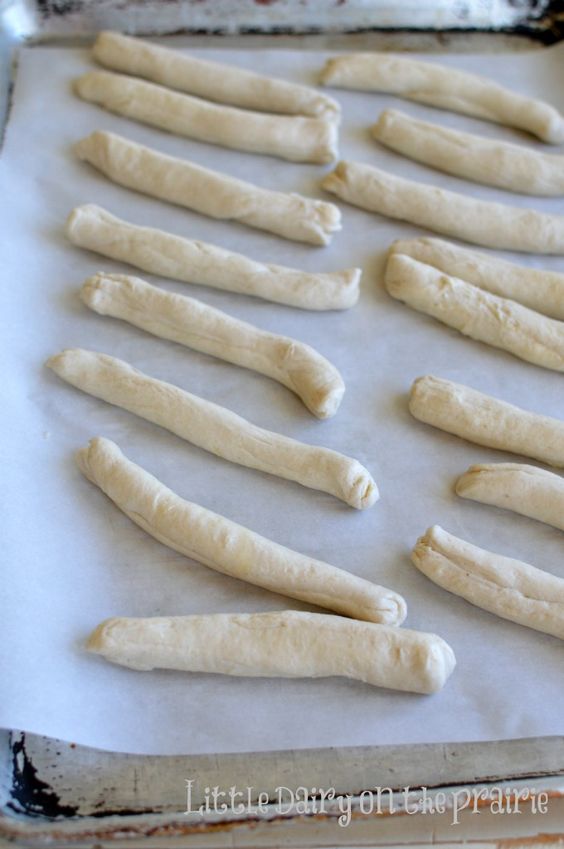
(211, 80)
(535, 288)
(295, 365)
(487, 421)
(192, 261)
(493, 225)
(446, 88)
(496, 321)
(215, 428)
(482, 160)
(508, 588)
(230, 548)
(526, 490)
(211, 193)
(293, 137)
(287, 644)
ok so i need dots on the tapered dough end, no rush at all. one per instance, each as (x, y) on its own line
(93, 146)
(328, 71)
(385, 118)
(59, 362)
(466, 483)
(71, 222)
(96, 642)
(82, 86)
(104, 37)
(69, 363)
(483, 479)
(424, 556)
(397, 267)
(100, 453)
(106, 641)
(418, 388)
(335, 180)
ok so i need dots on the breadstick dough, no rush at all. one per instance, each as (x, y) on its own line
(496, 321)
(192, 261)
(509, 588)
(494, 225)
(210, 80)
(483, 160)
(487, 421)
(296, 138)
(214, 428)
(294, 364)
(209, 192)
(447, 88)
(526, 490)
(286, 644)
(540, 290)
(230, 548)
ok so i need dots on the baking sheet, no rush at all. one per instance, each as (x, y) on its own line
(71, 559)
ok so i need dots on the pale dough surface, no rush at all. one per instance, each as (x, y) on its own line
(190, 322)
(527, 490)
(485, 420)
(293, 137)
(192, 261)
(209, 192)
(483, 160)
(211, 80)
(482, 222)
(447, 88)
(488, 318)
(533, 287)
(215, 428)
(228, 547)
(289, 644)
(509, 588)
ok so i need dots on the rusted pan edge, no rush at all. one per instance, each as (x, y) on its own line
(167, 830)
(55, 790)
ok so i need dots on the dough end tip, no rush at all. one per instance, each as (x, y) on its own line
(95, 643)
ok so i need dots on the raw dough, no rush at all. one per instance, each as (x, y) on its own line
(483, 160)
(527, 490)
(230, 548)
(497, 321)
(214, 428)
(447, 88)
(486, 421)
(209, 192)
(192, 323)
(287, 644)
(292, 137)
(509, 588)
(540, 290)
(494, 225)
(211, 80)
(192, 261)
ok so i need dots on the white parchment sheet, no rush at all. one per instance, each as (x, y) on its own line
(71, 558)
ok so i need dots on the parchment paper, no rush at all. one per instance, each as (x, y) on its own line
(71, 559)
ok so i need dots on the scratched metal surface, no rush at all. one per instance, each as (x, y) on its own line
(57, 794)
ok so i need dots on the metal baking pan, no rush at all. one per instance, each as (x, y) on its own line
(60, 794)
